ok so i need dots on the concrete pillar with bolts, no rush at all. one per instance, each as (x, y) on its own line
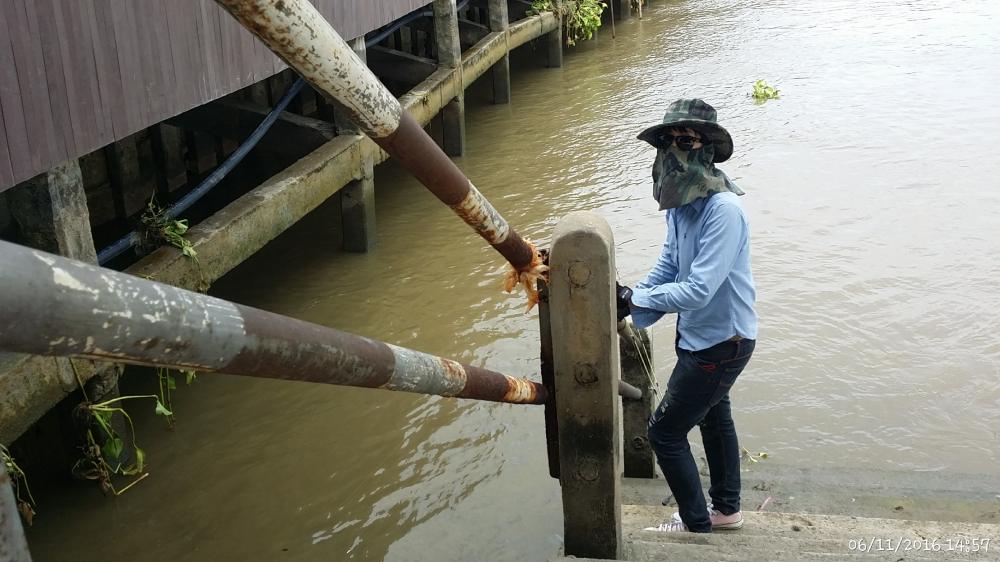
(499, 22)
(357, 198)
(554, 41)
(586, 373)
(51, 212)
(450, 56)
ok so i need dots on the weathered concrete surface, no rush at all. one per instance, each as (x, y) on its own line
(585, 361)
(13, 545)
(815, 514)
(933, 496)
(51, 209)
(792, 536)
(499, 21)
(357, 198)
(244, 226)
(226, 239)
(636, 358)
(29, 386)
(449, 48)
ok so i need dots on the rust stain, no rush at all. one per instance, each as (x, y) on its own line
(521, 391)
(454, 372)
(478, 213)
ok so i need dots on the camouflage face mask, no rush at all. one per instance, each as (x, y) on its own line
(681, 176)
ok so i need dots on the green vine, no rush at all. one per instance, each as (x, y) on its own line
(158, 227)
(582, 17)
(26, 506)
(104, 449)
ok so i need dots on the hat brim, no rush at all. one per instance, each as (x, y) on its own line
(708, 129)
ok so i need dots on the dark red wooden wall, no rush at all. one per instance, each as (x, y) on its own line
(76, 75)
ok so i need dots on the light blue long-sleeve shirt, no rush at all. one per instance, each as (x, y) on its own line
(703, 274)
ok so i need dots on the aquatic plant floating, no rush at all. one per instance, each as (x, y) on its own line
(763, 92)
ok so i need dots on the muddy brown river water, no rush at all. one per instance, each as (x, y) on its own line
(873, 198)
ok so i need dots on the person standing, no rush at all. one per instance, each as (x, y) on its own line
(703, 275)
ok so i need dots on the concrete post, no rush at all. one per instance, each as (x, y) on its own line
(585, 358)
(168, 156)
(450, 55)
(51, 211)
(123, 171)
(357, 198)
(499, 21)
(623, 9)
(13, 545)
(554, 41)
(548, 378)
(637, 370)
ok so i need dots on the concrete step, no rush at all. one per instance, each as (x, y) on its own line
(655, 552)
(931, 496)
(791, 536)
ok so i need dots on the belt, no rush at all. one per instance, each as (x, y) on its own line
(737, 337)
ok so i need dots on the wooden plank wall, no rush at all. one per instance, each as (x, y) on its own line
(76, 75)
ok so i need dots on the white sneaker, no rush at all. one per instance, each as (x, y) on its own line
(719, 521)
(669, 527)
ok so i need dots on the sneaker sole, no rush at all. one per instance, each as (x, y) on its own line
(728, 526)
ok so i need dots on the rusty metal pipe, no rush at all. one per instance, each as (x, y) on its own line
(56, 306)
(13, 545)
(300, 36)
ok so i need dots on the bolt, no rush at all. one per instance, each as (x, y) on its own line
(579, 273)
(588, 470)
(585, 373)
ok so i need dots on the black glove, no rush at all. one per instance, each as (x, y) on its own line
(623, 296)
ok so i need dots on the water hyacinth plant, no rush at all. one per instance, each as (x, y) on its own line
(763, 92)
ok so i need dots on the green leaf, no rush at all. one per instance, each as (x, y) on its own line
(162, 410)
(112, 448)
(140, 459)
(190, 376)
(171, 383)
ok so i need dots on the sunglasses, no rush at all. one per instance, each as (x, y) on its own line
(683, 142)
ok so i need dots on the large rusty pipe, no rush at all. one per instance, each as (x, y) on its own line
(13, 545)
(56, 306)
(300, 36)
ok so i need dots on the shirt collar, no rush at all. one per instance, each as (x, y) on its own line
(695, 207)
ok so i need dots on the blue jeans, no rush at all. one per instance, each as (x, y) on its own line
(698, 394)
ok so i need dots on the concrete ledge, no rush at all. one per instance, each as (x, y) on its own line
(242, 228)
(30, 385)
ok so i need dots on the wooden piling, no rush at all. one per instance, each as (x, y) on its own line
(450, 56)
(586, 364)
(637, 370)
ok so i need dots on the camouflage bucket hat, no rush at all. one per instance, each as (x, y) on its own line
(699, 116)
